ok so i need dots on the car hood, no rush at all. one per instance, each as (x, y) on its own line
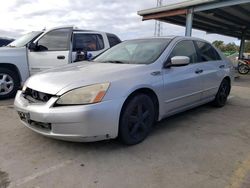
(10, 51)
(59, 80)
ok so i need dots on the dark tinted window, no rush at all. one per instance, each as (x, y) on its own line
(88, 42)
(207, 52)
(185, 48)
(56, 40)
(113, 40)
(4, 42)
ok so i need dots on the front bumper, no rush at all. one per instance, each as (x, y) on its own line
(73, 123)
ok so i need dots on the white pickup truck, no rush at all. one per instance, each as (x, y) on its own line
(38, 51)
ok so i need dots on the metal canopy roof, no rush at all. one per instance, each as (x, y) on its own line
(226, 17)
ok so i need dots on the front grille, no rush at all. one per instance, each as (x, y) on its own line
(40, 125)
(34, 96)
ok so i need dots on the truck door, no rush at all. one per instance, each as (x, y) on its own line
(52, 50)
(94, 43)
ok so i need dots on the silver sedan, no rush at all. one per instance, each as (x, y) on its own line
(125, 90)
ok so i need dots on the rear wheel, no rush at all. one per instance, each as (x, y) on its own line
(9, 83)
(136, 119)
(222, 94)
(243, 69)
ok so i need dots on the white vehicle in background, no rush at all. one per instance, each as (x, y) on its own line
(39, 51)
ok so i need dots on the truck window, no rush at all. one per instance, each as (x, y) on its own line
(56, 40)
(113, 40)
(88, 42)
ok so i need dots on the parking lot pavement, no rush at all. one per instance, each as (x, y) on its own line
(202, 148)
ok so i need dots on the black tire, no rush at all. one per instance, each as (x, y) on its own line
(11, 77)
(136, 120)
(243, 69)
(222, 94)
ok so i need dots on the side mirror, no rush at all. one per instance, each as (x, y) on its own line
(32, 46)
(180, 60)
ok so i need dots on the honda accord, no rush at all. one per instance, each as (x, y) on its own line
(125, 90)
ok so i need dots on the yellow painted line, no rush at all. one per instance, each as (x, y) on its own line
(240, 174)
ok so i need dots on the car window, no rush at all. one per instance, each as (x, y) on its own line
(185, 48)
(140, 51)
(113, 40)
(56, 40)
(207, 52)
(87, 42)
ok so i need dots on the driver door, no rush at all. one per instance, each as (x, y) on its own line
(182, 84)
(52, 50)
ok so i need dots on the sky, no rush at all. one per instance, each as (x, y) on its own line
(18, 17)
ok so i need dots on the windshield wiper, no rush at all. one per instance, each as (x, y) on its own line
(118, 62)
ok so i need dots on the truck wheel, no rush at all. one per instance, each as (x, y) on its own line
(9, 83)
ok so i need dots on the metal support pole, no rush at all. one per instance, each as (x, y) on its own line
(189, 22)
(242, 45)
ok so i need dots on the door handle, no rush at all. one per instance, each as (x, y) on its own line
(198, 71)
(222, 66)
(61, 57)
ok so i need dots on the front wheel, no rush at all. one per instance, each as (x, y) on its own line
(9, 83)
(222, 94)
(243, 69)
(137, 118)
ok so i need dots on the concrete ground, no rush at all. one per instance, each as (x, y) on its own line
(205, 147)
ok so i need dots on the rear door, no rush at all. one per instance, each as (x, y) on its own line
(182, 84)
(53, 50)
(212, 67)
(91, 42)
(113, 39)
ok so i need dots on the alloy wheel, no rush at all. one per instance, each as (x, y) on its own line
(139, 121)
(243, 69)
(223, 92)
(6, 84)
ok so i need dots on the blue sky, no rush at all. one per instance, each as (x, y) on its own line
(117, 16)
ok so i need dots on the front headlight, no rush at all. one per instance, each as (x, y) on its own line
(84, 95)
(24, 88)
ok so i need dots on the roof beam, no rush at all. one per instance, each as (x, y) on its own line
(232, 18)
(241, 9)
(219, 4)
(203, 27)
(164, 14)
(220, 23)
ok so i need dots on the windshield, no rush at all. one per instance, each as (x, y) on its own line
(25, 39)
(140, 51)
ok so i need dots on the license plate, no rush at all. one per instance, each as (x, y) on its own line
(24, 116)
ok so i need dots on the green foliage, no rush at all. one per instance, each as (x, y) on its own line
(229, 48)
(247, 47)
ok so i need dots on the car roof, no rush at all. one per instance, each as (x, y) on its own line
(173, 37)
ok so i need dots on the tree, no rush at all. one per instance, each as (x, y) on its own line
(247, 47)
(218, 44)
(229, 48)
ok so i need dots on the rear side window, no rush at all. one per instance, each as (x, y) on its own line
(87, 42)
(207, 52)
(56, 40)
(185, 48)
(113, 40)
